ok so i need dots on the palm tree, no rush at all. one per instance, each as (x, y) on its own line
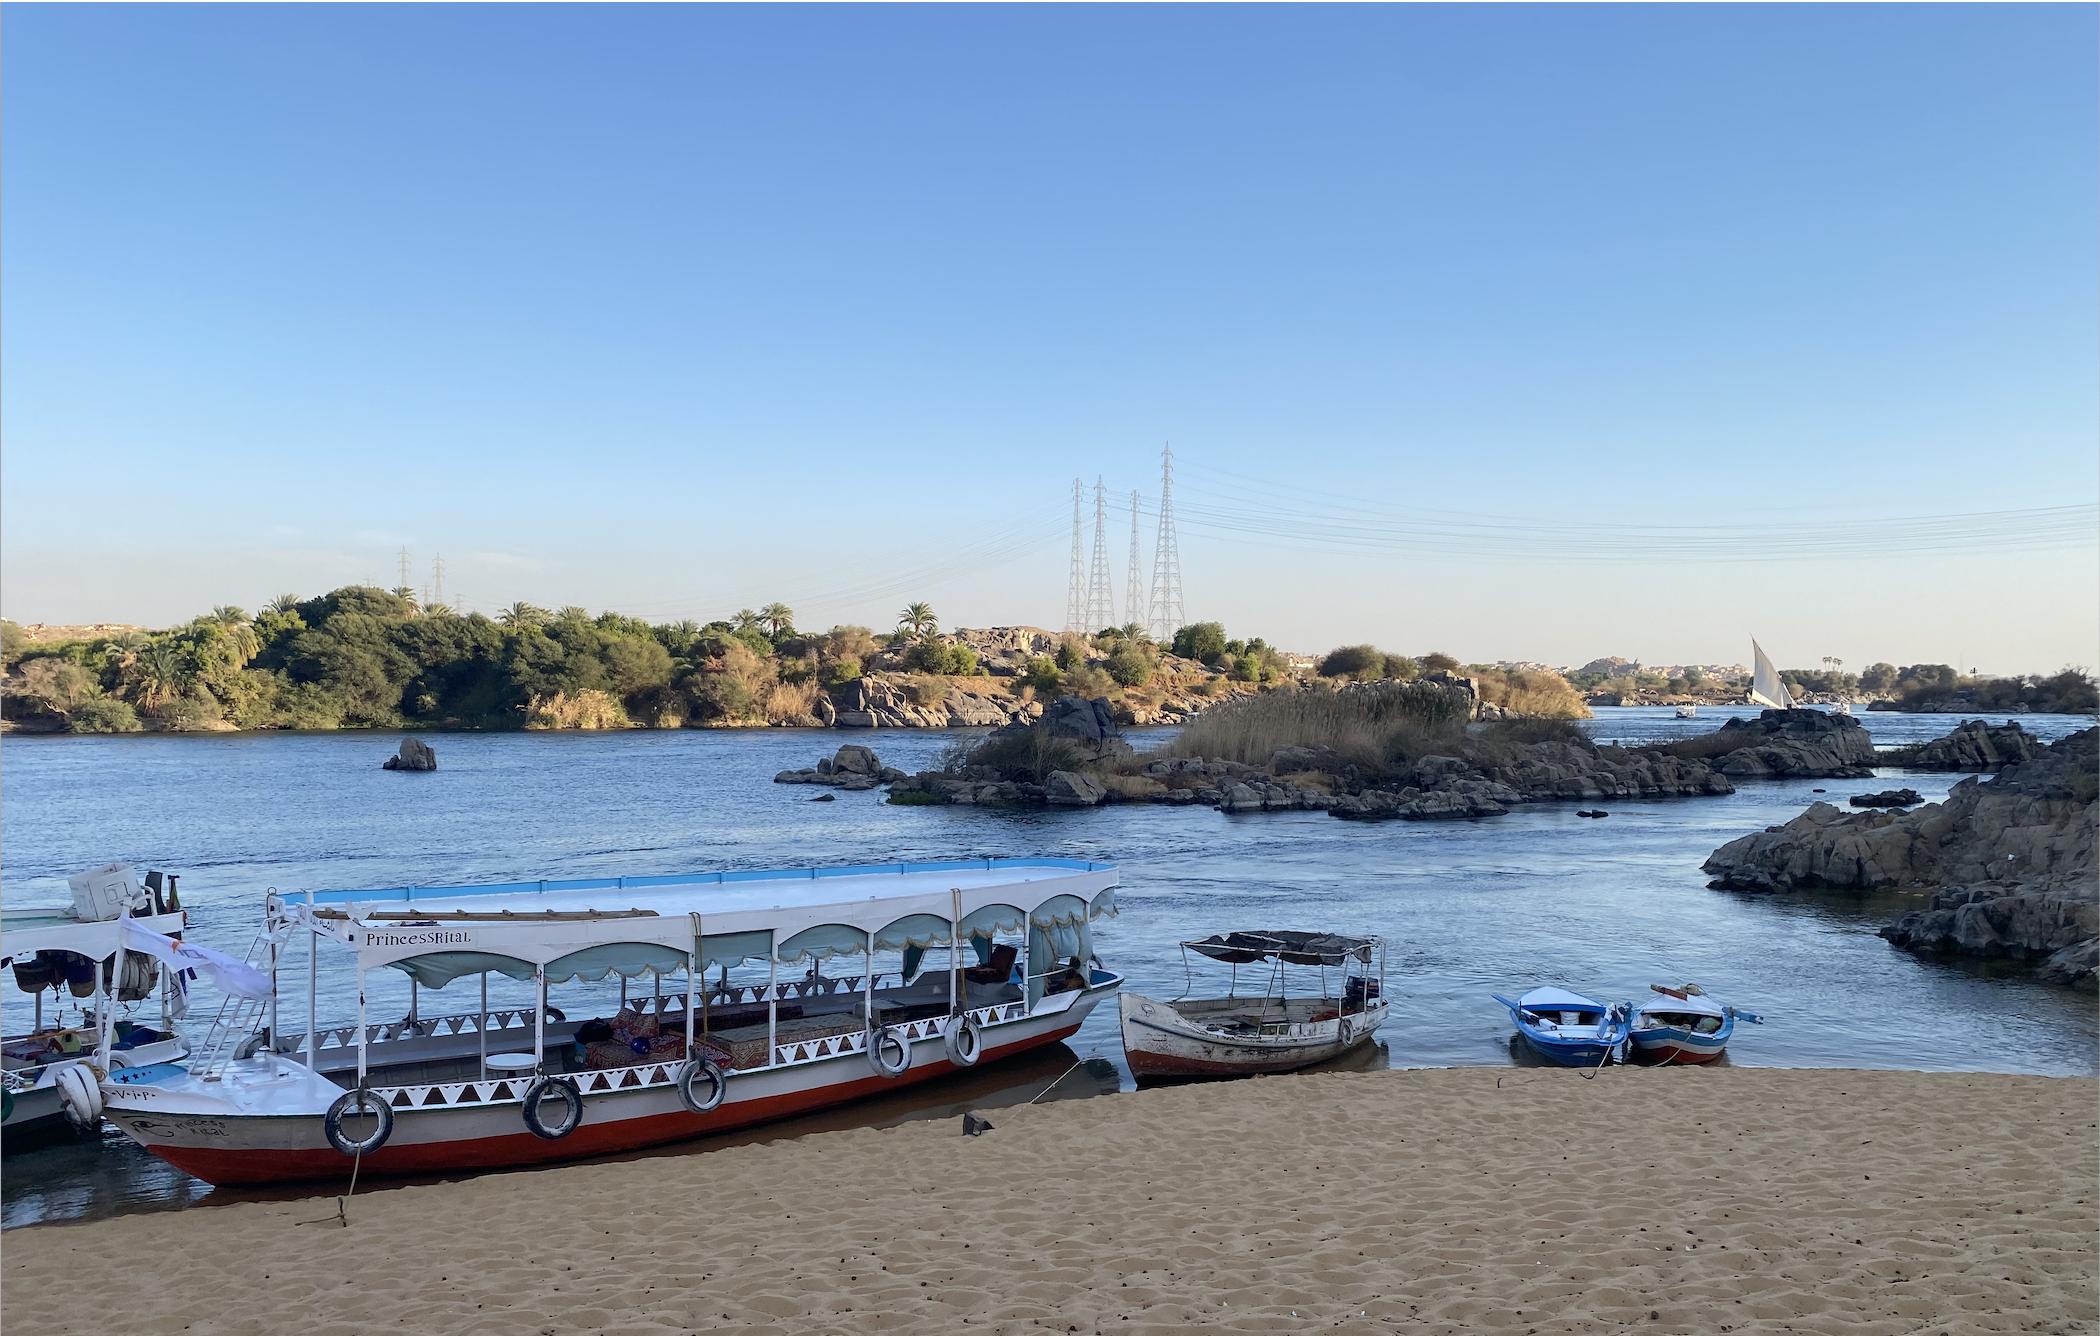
(919, 620)
(776, 619)
(228, 614)
(519, 616)
(405, 594)
(282, 603)
(745, 620)
(160, 673)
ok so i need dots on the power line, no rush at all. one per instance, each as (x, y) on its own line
(1168, 615)
(1101, 591)
(1075, 584)
(1135, 610)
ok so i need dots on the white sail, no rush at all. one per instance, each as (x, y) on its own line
(1765, 686)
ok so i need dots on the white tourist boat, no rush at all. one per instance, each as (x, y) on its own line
(1246, 1034)
(71, 953)
(1687, 712)
(770, 1037)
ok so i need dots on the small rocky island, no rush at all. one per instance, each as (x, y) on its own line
(1424, 750)
(2009, 862)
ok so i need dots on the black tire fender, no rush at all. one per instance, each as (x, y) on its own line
(558, 1088)
(964, 1040)
(364, 1102)
(889, 1038)
(702, 1075)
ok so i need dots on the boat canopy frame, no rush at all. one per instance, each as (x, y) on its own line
(1278, 948)
(688, 923)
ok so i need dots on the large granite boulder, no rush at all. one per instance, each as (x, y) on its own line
(1800, 743)
(880, 702)
(2011, 859)
(1073, 788)
(415, 754)
(1973, 746)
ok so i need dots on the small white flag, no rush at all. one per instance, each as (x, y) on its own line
(232, 975)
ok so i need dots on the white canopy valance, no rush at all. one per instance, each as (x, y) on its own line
(736, 916)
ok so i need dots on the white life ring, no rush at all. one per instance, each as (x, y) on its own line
(963, 1039)
(884, 1041)
(79, 1093)
(698, 1075)
(1348, 1032)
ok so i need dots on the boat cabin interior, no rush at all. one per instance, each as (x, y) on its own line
(1250, 1015)
(736, 1030)
(1698, 1022)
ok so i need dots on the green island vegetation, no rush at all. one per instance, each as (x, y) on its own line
(1918, 686)
(362, 657)
(1936, 687)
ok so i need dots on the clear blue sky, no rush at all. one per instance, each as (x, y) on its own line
(680, 309)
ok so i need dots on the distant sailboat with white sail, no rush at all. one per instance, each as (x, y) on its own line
(1765, 687)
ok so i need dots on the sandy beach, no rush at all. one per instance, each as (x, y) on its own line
(1526, 1201)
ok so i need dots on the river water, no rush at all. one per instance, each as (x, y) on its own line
(1537, 896)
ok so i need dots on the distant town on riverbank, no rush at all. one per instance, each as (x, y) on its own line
(362, 657)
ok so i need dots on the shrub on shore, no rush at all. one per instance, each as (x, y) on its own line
(1369, 725)
(1024, 753)
(104, 714)
(1531, 692)
(581, 709)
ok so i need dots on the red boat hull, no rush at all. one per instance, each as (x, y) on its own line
(522, 1148)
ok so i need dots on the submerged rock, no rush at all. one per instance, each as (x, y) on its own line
(415, 754)
(1886, 798)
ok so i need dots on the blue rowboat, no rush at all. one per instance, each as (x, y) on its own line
(1567, 1028)
(1682, 1024)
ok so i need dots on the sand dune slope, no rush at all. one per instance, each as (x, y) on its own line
(1524, 1201)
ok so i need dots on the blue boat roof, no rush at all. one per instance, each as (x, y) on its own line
(1558, 999)
(788, 885)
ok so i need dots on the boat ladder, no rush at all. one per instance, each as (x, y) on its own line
(238, 1021)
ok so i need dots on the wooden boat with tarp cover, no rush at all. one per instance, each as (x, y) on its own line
(757, 1030)
(1274, 1030)
(91, 1025)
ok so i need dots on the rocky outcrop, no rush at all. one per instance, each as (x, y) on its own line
(1973, 746)
(1549, 771)
(1888, 798)
(876, 702)
(415, 754)
(1799, 744)
(1089, 725)
(1072, 788)
(852, 767)
(2011, 859)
